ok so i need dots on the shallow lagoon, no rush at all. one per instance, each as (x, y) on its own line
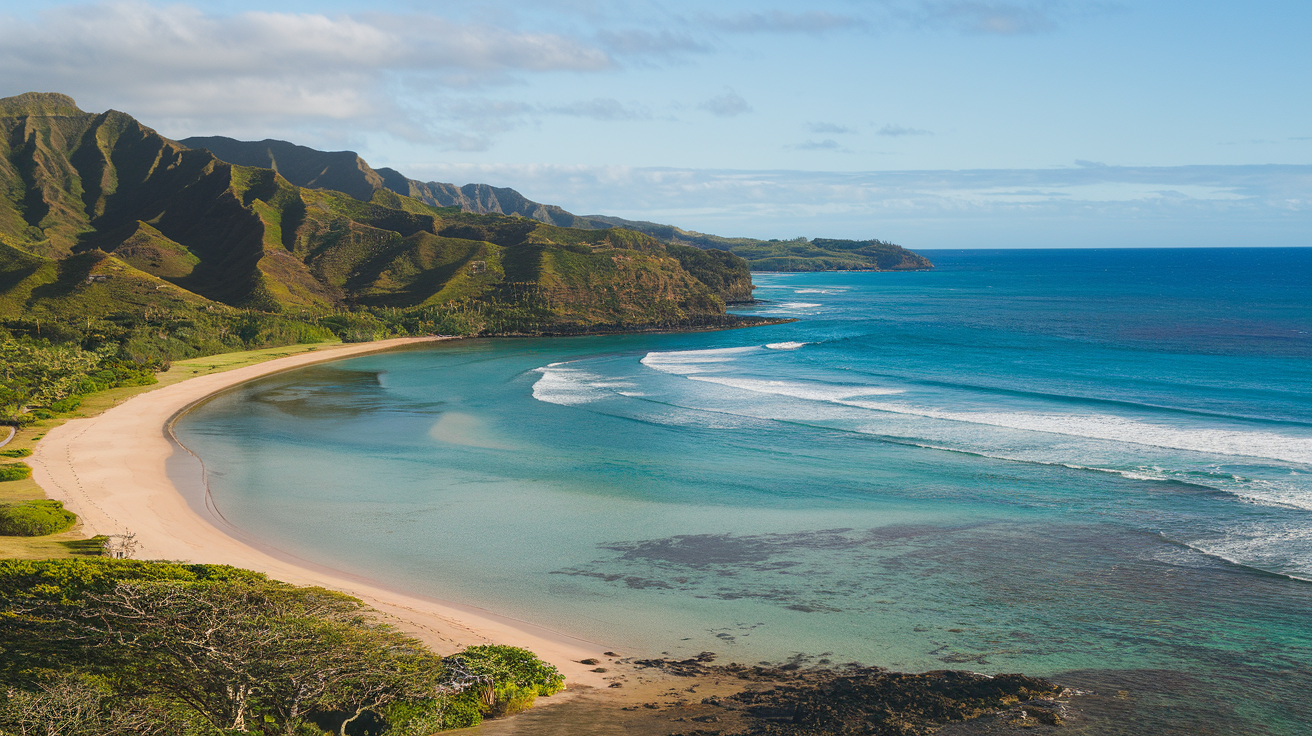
(1090, 465)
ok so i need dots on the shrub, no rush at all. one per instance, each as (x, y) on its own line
(512, 699)
(63, 406)
(512, 666)
(425, 717)
(14, 471)
(462, 711)
(508, 680)
(35, 518)
(23, 452)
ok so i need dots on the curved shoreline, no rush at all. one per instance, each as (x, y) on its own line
(112, 470)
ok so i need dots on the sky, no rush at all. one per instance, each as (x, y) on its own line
(930, 123)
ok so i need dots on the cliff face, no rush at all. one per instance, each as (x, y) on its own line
(89, 195)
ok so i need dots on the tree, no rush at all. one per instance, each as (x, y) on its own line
(224, 649)
(382, 667)
(232, 650)
(120, 546)
(76, 705)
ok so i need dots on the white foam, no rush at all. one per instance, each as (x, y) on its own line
(1271, 493)
(798, 305)
(1234, 442)
(1130, 474)
(799, 389)
(786, 345)
(812, 291)
(685, 362)
(568, 386)
(1254, 490)
(1285, 551)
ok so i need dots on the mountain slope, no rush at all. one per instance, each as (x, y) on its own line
(345, 171)
(82, 189)
(799, 254)
(342, 171)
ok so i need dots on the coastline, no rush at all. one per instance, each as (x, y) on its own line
(113, 471)
(123, 470)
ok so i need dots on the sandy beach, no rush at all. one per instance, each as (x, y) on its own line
(116, 471)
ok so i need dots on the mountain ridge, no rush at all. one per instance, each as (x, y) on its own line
(100, 214)
(346, 171)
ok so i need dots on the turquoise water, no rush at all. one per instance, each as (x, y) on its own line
(1092, 465)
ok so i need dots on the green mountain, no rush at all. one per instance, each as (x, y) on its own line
(345, 171)
(100, 214)
(798, 254)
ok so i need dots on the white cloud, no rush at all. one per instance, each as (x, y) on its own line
(828, 144)
(638, 42)
(830, 128)
(1194, 205)
(601, 108)
(778, 21)
(726, 105)
(900, 130)
(177, 63)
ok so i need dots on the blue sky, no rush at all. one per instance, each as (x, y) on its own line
(933, 123)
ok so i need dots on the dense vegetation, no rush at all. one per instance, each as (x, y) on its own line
(825, 254)
(798, 254)
(101, 647)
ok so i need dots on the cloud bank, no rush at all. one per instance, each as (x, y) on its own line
(177, 63)
(1090, 206)
(421, 77)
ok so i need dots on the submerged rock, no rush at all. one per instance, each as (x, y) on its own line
(872, 701)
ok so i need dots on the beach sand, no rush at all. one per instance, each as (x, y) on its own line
(117, 472)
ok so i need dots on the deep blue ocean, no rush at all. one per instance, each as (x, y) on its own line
(1091, 465)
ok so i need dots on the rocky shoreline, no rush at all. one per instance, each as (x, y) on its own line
(791, 699)
(696, 697)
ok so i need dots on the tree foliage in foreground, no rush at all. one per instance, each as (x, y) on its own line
(123, 646)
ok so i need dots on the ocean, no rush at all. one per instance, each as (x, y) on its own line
(1088, 465)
